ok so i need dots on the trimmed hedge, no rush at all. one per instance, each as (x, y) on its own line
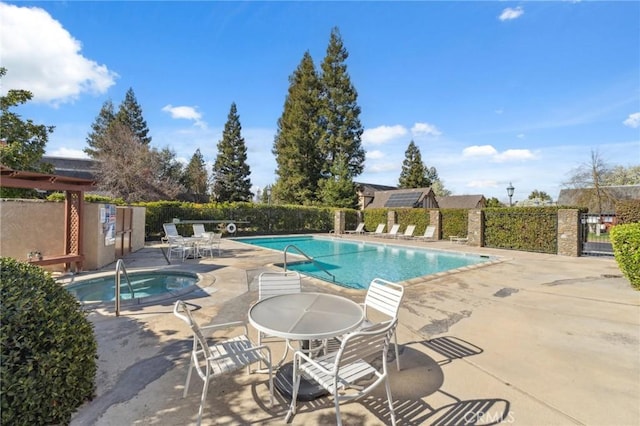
(532, 229)
(48, 348)
(628, 211)
(626, 249)
(454, 222)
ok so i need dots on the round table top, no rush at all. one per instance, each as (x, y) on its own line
(306, 316)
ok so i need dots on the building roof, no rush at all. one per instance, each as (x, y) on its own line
(585, 197)
(461, 201)
(83, 168)
(370, 188)
(411, 197)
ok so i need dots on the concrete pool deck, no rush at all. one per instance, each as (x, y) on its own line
(538, 339)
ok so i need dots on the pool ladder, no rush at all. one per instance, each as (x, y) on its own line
(293, 246)
(120, 269)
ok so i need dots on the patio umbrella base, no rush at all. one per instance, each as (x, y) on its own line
(308, 391)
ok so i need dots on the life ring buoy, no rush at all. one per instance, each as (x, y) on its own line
(231, 228)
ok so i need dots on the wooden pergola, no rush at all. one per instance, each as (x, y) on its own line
(74, 201)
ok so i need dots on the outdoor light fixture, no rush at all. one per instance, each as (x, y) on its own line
(510, 189)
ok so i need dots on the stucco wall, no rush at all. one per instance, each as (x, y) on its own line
(28, 225)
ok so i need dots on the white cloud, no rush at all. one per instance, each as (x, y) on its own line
(186, 113)
(511, 13)
(520, 135)
(42, 57)
(633, 120)
(68, 153)
(479, 151)
(382, 134)
(375, 155)
(514, 155)
(425, 129)
(383, 167)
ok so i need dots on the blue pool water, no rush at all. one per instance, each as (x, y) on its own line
(144, 284)
(355, 263)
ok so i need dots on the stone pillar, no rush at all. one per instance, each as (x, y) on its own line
(392, 217)
(435, 219)
(569, 243)
(338, 222)
(475, 228)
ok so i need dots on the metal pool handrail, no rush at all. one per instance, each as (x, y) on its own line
(305, 255)
(120, 268)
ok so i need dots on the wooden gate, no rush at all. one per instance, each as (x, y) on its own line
(124, 225)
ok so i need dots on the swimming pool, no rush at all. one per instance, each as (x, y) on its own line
(144, 284)
(355, 263)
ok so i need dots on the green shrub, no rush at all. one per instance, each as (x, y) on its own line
(47, 347)
(625, 240)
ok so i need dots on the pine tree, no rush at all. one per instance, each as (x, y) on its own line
(105, 117)
(130, 114)
(342, 129)
(339, 190)
(196, 178)
(231, 172)
(414, 172)
(298, 158)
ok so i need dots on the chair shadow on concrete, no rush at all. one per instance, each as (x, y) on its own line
(451, 348)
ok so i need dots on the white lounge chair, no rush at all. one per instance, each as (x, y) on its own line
(339, 372)
(198, 230)
(408, 233)
(359, 229)
(379, 230)
(224, 356)
(429, 234)
(178, 244)
(392, 233)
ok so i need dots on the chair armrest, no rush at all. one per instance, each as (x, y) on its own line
(299, 355)
(226, 325)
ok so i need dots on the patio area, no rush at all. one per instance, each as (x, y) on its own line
(534, 339)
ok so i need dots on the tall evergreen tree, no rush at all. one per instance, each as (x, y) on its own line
(105, 117)
(130, 114)
(342, 129)
(414, 172)
(338, 190)
(231, 172)
(197, 178)
(298, 158)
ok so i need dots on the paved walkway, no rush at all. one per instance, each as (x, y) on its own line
(537, 339)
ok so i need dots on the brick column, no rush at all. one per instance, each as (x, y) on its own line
(435, 219)
(475, 228)
(569, 232)
(338, 222)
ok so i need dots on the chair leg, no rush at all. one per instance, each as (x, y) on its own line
(395, 338)
(294, 393)
(390, 400)
(205, 388)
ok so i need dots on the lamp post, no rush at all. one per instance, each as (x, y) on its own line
(510, 189)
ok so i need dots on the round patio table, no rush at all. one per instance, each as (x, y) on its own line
(304, 316)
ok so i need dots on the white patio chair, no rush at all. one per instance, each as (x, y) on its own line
(225, 356)
(359, 229)
(198, 230)
(273, 284)
(379, 230)
(429, 233)
(210, 242)
(383, 299)
(408, 233)
(346, 374)
(392, 233)
(180, 246)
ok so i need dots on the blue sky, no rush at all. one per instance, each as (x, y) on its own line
(491, 92)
